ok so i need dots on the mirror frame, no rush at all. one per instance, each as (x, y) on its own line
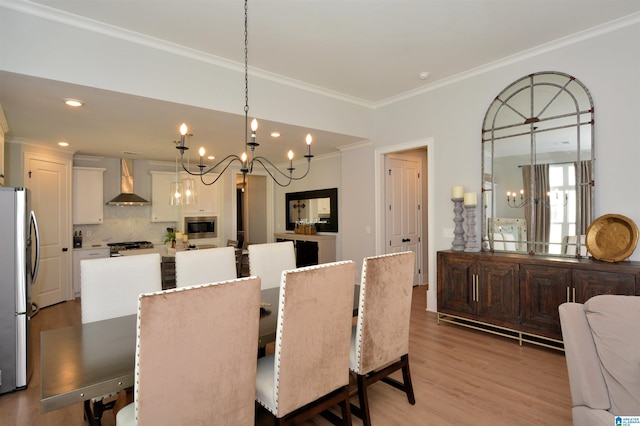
(533, 122)
(331, 193)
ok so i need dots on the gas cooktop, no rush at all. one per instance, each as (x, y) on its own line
(129, 245)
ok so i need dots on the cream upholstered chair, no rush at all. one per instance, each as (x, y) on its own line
(110, 289)
(205, 266)
(196, 356)
(267, 261)
(602, 349)
(110, 286)
(380, 339)
(309, 371)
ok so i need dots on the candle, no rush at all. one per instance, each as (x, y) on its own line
(457, 192)
(201, 152)
(470, 199)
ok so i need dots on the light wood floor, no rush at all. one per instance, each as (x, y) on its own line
(460, 377)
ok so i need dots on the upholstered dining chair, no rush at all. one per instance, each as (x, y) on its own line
(196, 356)
(110, 289)
(205, 266)
(380, 338)
(110, 286)
(309, 371)
(267, 261)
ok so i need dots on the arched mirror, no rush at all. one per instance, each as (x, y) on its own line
(537, 166)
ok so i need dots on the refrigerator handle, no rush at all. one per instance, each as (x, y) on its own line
(36, 265)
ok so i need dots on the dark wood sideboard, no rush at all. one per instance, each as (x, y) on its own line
(517, 295)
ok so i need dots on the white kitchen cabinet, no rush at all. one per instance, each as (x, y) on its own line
(81, 254)
(161, 208)
(88, 196)
(206, 197)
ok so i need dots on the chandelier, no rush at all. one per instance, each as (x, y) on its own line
(247, 161)
(552, 199)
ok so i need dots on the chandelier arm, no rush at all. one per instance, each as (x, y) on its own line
(233, 158)
(288, 176)
(221, 172)
(283, 185)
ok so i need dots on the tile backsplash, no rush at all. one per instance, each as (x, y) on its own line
(124, 223)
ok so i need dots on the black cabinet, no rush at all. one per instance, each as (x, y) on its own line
(168, 272)
(311, 249)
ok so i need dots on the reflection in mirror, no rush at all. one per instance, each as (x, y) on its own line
(319, 208)
(537, 169)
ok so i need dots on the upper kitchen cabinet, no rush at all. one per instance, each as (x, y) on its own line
(88, 198)
(206, 199)
(161, 208)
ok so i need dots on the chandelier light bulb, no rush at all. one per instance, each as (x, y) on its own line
(254, 125)
(309, 139)
(290, 155)
(183, 129)
(244, 157)
(201, 151)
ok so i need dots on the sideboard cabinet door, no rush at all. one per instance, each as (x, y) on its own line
(591, 283)
(542, 290)
(497, 290)
(456, 284)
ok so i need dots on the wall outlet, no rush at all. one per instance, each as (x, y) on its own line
(447, 233)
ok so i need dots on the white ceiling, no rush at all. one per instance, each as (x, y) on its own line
(370, 51)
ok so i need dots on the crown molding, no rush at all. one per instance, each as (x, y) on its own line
(98, 27)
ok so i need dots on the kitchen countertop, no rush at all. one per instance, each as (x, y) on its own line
(91, 247)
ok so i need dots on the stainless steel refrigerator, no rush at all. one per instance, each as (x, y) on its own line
(19, 258)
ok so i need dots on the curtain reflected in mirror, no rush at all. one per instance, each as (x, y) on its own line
(537, 166)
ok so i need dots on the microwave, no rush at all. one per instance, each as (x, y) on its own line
(201, 227)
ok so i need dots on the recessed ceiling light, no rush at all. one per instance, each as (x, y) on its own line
(423, 75)
(275, 134)
(63, 143)
(211, 157)
(73, 102)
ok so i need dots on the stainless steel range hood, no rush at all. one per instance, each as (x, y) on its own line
(126, 196)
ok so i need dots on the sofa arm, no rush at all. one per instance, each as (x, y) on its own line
(587, 383)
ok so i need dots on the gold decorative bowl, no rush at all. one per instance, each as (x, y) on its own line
(612, 238)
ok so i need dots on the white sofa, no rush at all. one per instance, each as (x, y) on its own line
(602, 348)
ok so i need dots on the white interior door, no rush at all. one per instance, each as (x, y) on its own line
(48, 180)
(403, 215)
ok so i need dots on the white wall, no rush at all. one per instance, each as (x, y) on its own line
(608, 64)
(130, 63)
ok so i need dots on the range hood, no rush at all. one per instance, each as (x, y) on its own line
(126, 196)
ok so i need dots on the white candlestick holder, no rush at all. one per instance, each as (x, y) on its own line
(458, 232)
(471, 244)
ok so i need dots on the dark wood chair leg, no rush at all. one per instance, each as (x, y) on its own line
(363, 400)
(406, 376)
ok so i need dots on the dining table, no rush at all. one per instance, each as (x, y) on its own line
(86, 361)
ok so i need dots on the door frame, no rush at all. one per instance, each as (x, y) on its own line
(379, 202)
